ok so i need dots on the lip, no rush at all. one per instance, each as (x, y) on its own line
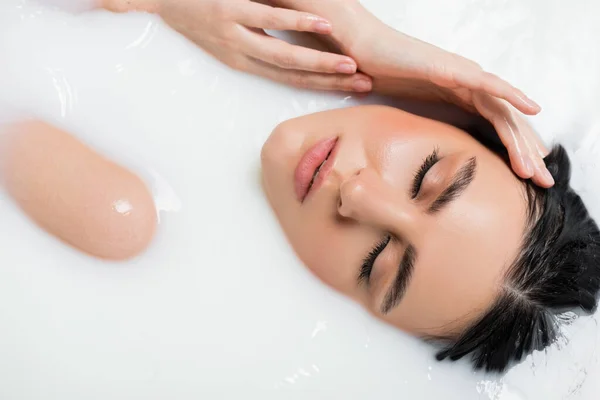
(310, 161)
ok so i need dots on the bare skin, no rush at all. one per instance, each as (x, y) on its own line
(460, 251)
(401, 65)
(233, 32)
(374, 57)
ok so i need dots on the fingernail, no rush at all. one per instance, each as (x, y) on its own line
(528, 166)
(346, 68)
(530, 103)
(547, 176)
(361, 85)
(322, 26)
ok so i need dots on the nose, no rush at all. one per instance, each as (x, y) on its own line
(368, 199)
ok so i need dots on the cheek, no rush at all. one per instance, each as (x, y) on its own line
(461, 263)
(451, 281)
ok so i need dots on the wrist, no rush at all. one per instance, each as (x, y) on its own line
(350, 20)
(122, 6)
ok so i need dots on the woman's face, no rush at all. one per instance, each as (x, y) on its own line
(413, 218)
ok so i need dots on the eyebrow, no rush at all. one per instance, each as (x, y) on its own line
(397, 290)
(459, 183)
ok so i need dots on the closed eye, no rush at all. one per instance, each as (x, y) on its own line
(369, 261)
(428, 163)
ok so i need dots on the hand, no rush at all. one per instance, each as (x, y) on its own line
(402, 65)
(525, 149)
(232, 31)
(518, 137)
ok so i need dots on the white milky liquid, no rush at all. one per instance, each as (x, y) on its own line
(219, 308)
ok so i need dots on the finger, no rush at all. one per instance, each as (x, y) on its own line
(254, 15)
(358, 82)
(498, 87)
(526, 149)
(469, 74)
(498, 114)
(287, 56)
(542, 176)
(540, 172)
(538, 145)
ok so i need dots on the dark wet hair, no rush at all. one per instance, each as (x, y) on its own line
(557, 270)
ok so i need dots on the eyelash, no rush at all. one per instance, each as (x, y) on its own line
(369, 261)
(429, 162)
